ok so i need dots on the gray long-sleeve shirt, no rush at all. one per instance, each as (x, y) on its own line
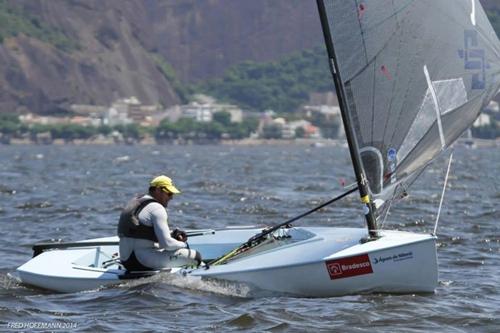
(155, 215)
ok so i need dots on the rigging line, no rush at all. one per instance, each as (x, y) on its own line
(419, 169)
(390, 205)
(248, 244)
(276, 227)
(442, 193)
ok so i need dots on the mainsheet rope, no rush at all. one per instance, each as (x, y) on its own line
(249, 243)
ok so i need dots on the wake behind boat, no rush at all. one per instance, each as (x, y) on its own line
(410, 77)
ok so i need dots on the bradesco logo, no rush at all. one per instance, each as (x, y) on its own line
(350, 266)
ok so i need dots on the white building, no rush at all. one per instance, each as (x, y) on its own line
(95, 111)
(173, 113)
(235, 112)
(328, 110)
(129, 110)
(203, 107)
(117, 114)
(289, 130)
(482, 120)
(199, 112)
(493, 106)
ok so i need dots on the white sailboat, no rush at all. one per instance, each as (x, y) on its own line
(410, 76)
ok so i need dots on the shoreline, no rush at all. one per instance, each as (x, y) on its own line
(145, 142)
(468, 143)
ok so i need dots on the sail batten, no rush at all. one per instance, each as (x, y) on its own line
(415, 76)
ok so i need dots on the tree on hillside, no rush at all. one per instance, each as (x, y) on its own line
(222, 117)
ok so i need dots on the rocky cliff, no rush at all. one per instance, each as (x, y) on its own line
(140, 48)
(54, 53)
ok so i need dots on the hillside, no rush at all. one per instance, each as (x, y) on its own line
(54, 53)
(58, 52)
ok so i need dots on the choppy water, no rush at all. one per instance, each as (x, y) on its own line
(75, 192)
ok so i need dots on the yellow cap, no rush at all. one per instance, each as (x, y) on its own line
(165, 183)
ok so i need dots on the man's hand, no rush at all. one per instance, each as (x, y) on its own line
(179, 235)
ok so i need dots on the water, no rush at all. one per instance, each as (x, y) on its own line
(75, 192)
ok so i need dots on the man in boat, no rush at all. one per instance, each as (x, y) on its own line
(146, 242)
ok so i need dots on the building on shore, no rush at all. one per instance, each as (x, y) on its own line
(33, 119)
(280, 128)
(202, 109)
(483, 120)
(493, 106)
(130, 110)
(300, 128)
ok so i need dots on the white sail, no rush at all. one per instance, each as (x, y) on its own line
(415, 75)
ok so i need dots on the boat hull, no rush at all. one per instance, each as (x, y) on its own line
(397, 265)
(66, 284)
(311, 262)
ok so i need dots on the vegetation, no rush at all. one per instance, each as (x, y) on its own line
(13, 21)
(168, 71)
(329, 126)
(132, 131)
(9, 123)
(11, 127)
(300, 132)
(220, 127)
(281, 85)
(187, 129)
(272, 131)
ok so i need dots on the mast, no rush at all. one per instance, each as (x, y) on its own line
(352, 142)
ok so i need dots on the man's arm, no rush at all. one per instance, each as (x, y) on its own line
(159, 219)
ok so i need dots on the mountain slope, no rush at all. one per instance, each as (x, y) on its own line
(54, 53)
(123, 48)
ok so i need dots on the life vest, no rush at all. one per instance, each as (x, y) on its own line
(129, 225)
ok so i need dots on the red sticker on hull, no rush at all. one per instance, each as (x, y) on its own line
(350, 266)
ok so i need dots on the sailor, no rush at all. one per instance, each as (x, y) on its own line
(146, 242)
